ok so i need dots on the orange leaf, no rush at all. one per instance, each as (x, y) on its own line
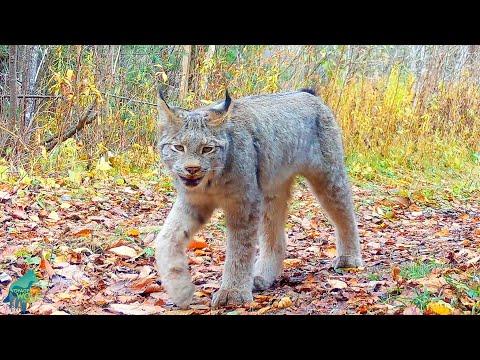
(443, 232)
(83, 233)
(45, 265)
(464, 216)
(292, 263)
(330, 252)
(152, 288)
(133, 232)
(396, 273)
(142, 284)
(362, 309)
(197, 245)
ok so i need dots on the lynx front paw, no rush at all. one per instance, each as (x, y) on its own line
(180, 291)
(261, 283)
(236, 297)
(347, 261)
(266, 270)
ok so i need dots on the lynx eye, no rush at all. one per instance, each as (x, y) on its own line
(178, 148)
(207, 149)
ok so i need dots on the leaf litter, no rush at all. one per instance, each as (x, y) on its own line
(92, 256)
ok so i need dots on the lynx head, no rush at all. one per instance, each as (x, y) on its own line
(194, 144)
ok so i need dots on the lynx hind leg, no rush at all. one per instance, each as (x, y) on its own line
(272, 242)
(334, 194)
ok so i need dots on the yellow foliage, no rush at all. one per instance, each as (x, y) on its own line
(439, 308)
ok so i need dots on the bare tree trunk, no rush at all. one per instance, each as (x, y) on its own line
(33, 65)
(12, 80)
(208, 58)
(187, 54)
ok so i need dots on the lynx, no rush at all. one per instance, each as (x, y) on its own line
(242, 156)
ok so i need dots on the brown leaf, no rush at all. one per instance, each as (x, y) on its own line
(337, 284)
(74, 257)
(179, 312)
(412, 310)
(432, 283)
(264, 310)
(141, 285)
(20, 214)
(284, 302)
(402, 201)
(124, 251)
(4, 196)
(464, 217)
(135, 309)
(442, 233)
(330, 252)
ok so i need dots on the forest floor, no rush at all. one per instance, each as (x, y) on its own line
(92, 247)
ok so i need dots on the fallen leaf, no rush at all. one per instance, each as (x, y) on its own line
(46, 267)
(442, 233)
(396, 273)
(141, 285)
(20, 214)
(53, 216)
(133, 232)
(464, 217)
(179, 312)
(74, 257)
(83, 233)
(292, 263)
(362, 309)
(432, 283)
(330, 252)
(135, 309)
(153, 288)
(337, 284)
(402, 200)
(59, 313)
(42, 309)
(284, 302)
(124, 251)
(473, 261)
(439, 308)
(374, 245)
(5, 278)
(4, 196)
(412, 310)
(264, 310)
(197, 245)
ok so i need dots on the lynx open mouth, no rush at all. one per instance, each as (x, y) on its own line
(191, 182)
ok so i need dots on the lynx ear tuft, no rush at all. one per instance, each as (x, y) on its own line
(220, 111)
(166, 114)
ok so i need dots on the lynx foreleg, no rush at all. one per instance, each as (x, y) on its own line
(237, 278)
(183, 221)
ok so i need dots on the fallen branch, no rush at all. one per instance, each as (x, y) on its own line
(86, 118)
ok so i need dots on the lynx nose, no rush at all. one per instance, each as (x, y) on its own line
(192, 169)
